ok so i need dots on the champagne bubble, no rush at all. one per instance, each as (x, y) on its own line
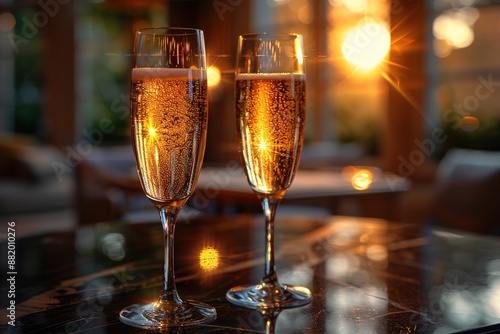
(169, 115)
(270, 111)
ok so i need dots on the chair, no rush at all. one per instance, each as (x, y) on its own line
(468, 191)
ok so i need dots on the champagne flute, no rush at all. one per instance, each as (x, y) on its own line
(270, 115)
(168, 123)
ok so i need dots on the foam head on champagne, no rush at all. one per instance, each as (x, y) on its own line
(142, 73)
(270, 76)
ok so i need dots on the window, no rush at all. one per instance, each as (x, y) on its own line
(346, 43)
(466, 35)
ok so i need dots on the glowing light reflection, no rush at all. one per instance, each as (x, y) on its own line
(209, 258)
(461, 307)
(377, 253)
(113, 246)
(491, 296)
(360, 178)
(340, 266)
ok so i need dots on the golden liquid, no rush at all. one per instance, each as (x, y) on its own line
(270, 114)
(169, 121)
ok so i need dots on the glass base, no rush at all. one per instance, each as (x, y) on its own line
(150, 316)
(269, 296)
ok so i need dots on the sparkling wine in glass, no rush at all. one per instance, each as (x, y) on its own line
(270, 115)
(168, 123)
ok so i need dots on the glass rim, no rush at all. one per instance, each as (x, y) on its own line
(173, 31)
(268, 35)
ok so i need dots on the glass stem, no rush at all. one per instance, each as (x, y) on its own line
(168, 216)
(270, 204)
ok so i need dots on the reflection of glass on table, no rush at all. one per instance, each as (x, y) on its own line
(364, 273)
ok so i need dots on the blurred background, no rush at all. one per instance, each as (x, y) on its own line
(409, 87)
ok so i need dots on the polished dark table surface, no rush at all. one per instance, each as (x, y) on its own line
(366, 275)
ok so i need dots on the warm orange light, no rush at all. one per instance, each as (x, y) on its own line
(152, 131)
(355, 6)
(362, 180)
(262, 146)
(213, 76)
(455, 27)
(209, 258)
(469, 123)
(7, 21)
(366, 46)
(377, 253)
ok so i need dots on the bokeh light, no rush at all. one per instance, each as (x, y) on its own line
(305, 14)
(209, 258)
(441, 48)
(459, 34)
(366, 45)
(377, 253)
(491, 295)
(7, 21)
(469, 123)
(360, 178)
(213, 76)
(354, 6)
(113, 246)
(453, 29)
